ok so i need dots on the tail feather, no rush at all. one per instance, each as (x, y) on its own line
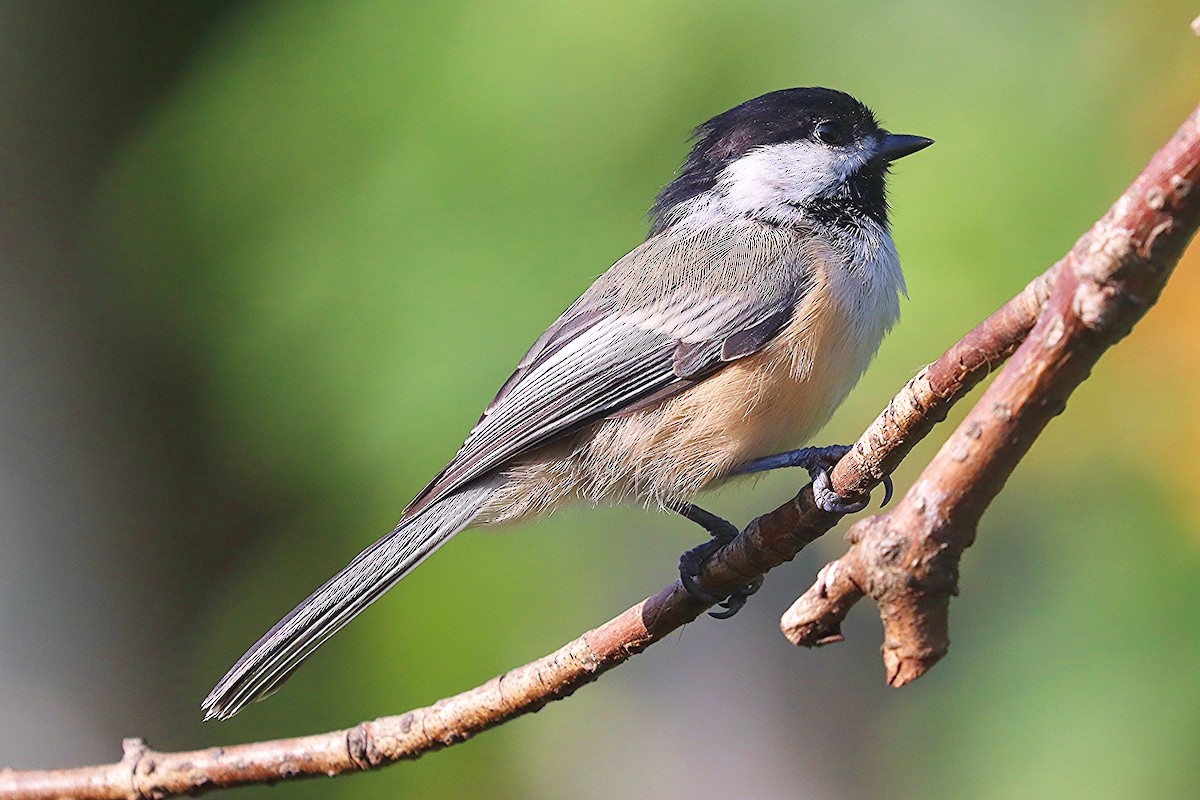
(276, 655)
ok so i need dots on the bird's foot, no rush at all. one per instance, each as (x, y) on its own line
(818, 462)
(691, 563)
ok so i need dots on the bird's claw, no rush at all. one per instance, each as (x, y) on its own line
(821, 461)
(690, 565)
(736, 600)
(829, 500)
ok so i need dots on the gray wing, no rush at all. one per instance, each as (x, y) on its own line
(628, 343)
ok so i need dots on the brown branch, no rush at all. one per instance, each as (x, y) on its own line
(907, 560)
(767, 542)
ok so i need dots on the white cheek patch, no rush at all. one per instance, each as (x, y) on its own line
(775, 178)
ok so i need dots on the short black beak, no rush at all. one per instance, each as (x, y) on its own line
(899, 145)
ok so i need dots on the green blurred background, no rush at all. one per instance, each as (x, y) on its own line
(262, 263)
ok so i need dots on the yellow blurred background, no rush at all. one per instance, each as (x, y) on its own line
(262, 264)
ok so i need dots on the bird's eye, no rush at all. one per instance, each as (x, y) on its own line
(831, 133)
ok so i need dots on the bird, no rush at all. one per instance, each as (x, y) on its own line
(763, 290)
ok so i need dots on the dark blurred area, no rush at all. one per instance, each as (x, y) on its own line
(102, 449)
(262, 263)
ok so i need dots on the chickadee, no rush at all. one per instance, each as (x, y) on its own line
(762, 292)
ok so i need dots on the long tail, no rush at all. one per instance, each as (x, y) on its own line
(272, 659)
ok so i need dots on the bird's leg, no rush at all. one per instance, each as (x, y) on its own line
(692, 562)
(818, 461)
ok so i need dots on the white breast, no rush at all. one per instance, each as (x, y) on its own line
(869, 286)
